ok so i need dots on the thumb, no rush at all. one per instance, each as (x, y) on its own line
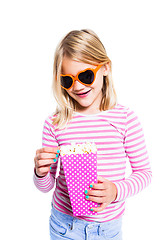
(101, 179)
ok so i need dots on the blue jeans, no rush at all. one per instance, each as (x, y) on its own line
(63, 226)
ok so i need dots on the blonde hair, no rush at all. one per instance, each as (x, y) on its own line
(83, 46)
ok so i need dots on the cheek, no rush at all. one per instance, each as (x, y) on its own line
(69, 92)
(98, 83)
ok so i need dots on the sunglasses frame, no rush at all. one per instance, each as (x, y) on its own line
(94, 70)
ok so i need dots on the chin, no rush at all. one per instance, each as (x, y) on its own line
(83, 105)
(84, 102)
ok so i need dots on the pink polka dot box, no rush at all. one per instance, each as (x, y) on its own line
(80, 169)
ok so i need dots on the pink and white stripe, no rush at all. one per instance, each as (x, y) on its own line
(119, 138)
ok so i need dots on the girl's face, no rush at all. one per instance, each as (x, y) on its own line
(86, 103)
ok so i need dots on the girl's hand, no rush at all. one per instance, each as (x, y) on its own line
(103, 192)
(44, 158)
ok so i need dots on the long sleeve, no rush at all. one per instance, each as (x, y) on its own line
(45, 184)
(135, 148)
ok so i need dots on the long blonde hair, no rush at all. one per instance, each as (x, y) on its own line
(83, 46)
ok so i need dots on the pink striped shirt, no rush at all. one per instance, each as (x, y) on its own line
(119, 138)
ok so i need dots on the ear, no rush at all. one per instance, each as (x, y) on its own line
(106, 69)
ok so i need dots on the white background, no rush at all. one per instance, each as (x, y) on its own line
(30, 31)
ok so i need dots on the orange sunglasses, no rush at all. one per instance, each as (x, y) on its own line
(86, 77)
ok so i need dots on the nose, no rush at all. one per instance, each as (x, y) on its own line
(77, 86)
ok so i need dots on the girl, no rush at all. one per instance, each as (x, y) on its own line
(88, 111)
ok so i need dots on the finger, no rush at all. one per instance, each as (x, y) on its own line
(35, 160)
(103, 183)
(41, 156)
(48, 150)
(45, 162)
(101, 207)
(98, 193)
(96, 199)
(42, 171)
(98, 186)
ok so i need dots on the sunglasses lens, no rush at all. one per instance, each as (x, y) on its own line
(66, 81)
(86, 77)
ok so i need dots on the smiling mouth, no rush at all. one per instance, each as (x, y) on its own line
(84, 93)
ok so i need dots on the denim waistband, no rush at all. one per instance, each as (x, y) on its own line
(70, 219)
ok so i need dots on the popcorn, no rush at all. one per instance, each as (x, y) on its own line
(74, 148)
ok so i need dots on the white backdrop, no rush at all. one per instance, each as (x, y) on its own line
(30, 31)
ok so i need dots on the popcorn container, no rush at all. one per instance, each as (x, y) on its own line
(80, 171)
